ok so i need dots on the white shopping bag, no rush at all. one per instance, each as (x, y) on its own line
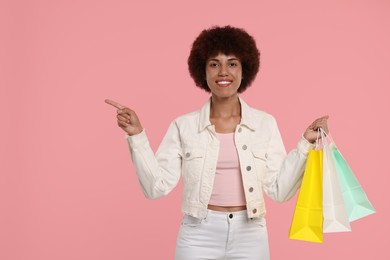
(334, 208)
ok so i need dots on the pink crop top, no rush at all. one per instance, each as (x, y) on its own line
(228, 188)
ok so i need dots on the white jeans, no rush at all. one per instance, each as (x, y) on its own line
(222, 235)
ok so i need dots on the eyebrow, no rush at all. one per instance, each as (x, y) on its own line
(231, 59)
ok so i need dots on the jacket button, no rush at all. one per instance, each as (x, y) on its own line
(240, 130)
(254, 211)
(250, 189)
(244, 147)
(248, 168)
(230, 215)
(188, 155)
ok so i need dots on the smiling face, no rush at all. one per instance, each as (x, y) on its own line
(223, 75)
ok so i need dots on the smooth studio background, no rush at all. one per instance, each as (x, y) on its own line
(67, 186)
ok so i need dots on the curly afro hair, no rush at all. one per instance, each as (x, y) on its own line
(227, 40)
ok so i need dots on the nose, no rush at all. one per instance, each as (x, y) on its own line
(223, 71)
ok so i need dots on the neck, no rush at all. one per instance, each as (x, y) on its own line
(225, 107)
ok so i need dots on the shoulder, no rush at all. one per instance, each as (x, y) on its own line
(196, 117)
(260, 116)
(187, 121)
(188, 117)
(262, 122)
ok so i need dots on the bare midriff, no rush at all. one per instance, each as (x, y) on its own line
(226, 208)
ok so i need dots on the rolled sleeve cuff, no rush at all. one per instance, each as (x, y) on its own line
(138, 139)
(304, 146)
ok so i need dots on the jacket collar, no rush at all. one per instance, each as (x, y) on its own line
(246, 117)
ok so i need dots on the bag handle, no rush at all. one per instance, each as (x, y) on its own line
(325, 136)
(318, 144)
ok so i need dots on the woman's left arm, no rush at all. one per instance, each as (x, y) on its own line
(284, 173)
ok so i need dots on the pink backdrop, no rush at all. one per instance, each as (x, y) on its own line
(68, 189)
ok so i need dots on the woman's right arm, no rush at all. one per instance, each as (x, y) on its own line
(157, 173)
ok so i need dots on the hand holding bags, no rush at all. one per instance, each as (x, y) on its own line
(328, 177)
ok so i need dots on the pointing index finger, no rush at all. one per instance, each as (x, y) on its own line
(113, 103)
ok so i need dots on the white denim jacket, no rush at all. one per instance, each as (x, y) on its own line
(190, 149)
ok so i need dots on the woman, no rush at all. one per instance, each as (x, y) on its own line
(227, 153)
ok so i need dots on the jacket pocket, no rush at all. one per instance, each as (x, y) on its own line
(260, 159)
(193, 159)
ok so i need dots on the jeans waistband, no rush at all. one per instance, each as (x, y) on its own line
(227, 213)
(223, 216)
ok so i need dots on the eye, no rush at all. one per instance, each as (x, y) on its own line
(213, 64)
(233, 64)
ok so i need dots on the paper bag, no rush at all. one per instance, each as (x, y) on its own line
(307, 220)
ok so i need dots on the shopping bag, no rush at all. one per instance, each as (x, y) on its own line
(307, 220)
(358, 205)
(334, 209)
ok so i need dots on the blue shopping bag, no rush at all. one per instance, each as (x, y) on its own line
(358, 205)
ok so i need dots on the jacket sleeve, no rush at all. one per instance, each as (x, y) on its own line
(157, 173)
(284, 172)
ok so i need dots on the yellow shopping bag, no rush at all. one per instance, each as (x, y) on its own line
(307, 221)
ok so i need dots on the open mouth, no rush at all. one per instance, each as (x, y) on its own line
(224, 83)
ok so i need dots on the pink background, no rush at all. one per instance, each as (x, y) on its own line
(67, 186)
